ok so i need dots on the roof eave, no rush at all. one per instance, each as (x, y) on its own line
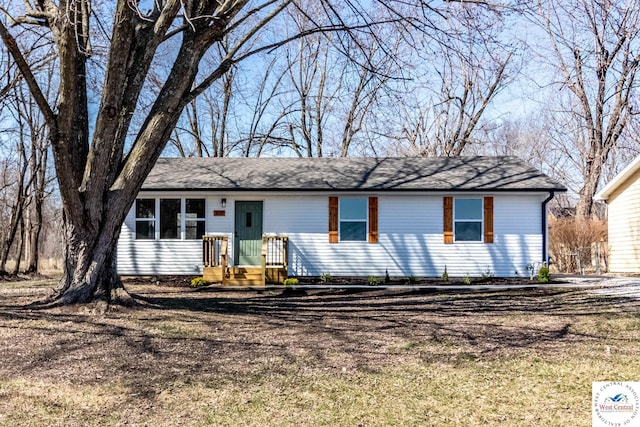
(618, 180)
(363, 190)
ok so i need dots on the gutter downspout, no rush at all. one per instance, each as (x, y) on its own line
(545, 250)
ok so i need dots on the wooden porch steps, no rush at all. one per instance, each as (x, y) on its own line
(274, 269)
(244, 276)
(236, 276)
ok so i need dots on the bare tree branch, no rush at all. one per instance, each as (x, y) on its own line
(25, 69)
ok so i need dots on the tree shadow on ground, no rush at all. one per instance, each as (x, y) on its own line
(554, 302)
(183, 333)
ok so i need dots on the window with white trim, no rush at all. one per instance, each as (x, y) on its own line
(467, 220)
(194, 223)
(145, 219)
(170, 218)
(174, 219)
(353, 219)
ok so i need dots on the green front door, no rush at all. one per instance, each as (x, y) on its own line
(248, 233)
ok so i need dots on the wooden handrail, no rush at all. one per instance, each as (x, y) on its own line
(274, 254)
(263, 259)
(274, 250)
(215, 251)
(224, 254)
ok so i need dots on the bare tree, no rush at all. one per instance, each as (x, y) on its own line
(26, 186)
(337, 84)
(445, 126)
(101, 167)
(307, 67)
(312, 98)
(268, 123)
(593, 50)
(326, 94)
(15, 205)
(369, 82)
(202, 129)
(467, 68)
(39, 182)
(98, 181)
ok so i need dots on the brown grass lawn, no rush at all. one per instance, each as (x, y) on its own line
(335, 358)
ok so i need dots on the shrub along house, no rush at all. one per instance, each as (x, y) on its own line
(247, 221)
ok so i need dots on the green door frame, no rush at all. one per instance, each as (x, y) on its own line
(248, 233)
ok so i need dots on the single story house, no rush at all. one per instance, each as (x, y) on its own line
(622, 195)
(338, 216)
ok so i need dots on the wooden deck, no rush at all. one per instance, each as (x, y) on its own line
(274, 268)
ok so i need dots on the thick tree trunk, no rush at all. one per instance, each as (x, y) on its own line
(592, 174)
(20, 248)
(38, 161)
(90, 272)
(98, 178)
(584, 207)
(7, 242)
(33, 231)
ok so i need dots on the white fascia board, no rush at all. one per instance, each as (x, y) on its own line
(618, 180)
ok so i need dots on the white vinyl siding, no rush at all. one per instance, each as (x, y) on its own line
(159, 256)
(624, 227)
(156, 257)
(410, 238)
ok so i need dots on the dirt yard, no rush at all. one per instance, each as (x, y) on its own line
(317, 357)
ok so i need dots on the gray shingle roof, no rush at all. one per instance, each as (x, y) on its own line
(348, 174)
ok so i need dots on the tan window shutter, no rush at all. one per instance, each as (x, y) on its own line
(488, 219)
(333, 220)
(373, 220)
(448, 219)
